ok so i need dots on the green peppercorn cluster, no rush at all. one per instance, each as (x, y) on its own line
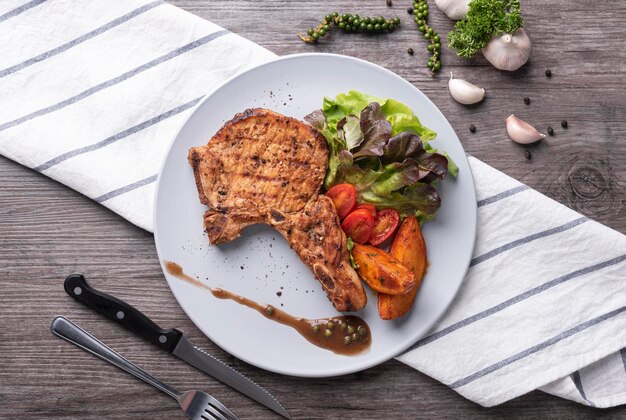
(350, 23)
(420, 15)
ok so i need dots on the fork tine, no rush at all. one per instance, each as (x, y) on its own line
(214, 413)
(220, 411)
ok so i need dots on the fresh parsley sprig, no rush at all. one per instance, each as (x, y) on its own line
(484, 20)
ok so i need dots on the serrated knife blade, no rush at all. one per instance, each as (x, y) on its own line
(198, 358)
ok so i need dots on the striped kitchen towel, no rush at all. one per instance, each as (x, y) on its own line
(92, 93)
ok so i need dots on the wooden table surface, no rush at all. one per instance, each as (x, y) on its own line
(48, 231)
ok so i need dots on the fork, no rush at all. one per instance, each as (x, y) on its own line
(197, 405)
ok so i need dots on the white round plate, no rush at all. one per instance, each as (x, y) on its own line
(260, 263)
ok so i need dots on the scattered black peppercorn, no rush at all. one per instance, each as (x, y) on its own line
(551, 131)
(472, 128)
(389, 3)
(527, 155)
(279, 294)
(564, 124)
(527, 101)
(410, 51)
(548, 73)
(409, 11)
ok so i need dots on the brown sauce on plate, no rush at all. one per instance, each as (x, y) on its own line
(346, 334)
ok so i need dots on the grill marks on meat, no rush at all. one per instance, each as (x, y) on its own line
(254, 164)
(315, 234)
(257, 160)
(263, 167)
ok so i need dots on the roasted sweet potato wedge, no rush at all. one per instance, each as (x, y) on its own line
(409, 248)
(381, 271)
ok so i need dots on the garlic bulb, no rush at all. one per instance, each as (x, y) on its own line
(465, 92)
(521, 132)
(454, 9)
(509, 51)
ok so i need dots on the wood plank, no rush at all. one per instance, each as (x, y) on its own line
(48, 231)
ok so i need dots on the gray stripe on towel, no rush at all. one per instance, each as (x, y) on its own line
(502, 195)
(122, 134)
(531, 350)
(116, 80)
(529, 238)
(523, 296)
(81, 39)
(21, 9)
(579, 386)
(622, 352)
(126, 189)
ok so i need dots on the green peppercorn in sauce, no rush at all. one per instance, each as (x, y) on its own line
(347, 335)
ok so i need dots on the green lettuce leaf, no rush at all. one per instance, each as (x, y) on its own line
(379, 146)
(349, 129)
(453, 169)
(344, 104)
(417, 197)
(350, 244)
(335, 145)
(402, 119)
(349, 172)
(391, 186)
(395, 176)
(399, 115)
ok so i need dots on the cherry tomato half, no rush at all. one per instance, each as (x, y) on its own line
(358, 225)
(385, 223)
(370, 207)
(344, 198)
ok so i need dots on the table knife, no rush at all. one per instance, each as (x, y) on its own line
(171, 340)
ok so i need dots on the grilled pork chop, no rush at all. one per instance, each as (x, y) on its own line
(263, 167)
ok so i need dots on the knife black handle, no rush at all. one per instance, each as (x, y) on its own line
(121, 312)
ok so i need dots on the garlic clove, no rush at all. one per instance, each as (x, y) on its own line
(521, 132)
(465, 92)
(454, 9)
(509, 51)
